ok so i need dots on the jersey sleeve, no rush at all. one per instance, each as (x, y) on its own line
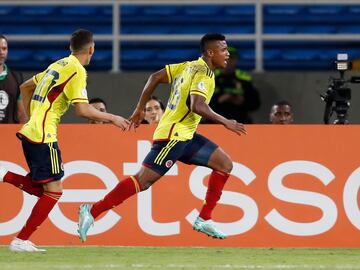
(201, 84)
(173, 70)
(75, 90)
(37, 78)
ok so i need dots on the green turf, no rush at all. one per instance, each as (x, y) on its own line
(74, 258)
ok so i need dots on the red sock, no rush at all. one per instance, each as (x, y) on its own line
(39, 213)
(24, 183)
(125, 189)
(216, 184)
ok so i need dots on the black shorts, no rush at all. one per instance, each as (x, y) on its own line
(164, 154)
(44, 161)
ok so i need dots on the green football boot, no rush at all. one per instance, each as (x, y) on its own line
(208, 227)
(85, 221)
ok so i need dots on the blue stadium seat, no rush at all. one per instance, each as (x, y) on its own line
(271, 54)
(7, 10)
(37, 10)
(247, 54)
(107, 10)
(147, 29)
(19, 55)
(160, 10)
(278, 29)
(50, 55)
(23, 30)
(325, 9)
(300, 55)
(349, 29)
(79, 10)
(142, 55)
(283, 9)
(127, 10)
(202, 10)
(240, 10)
(355, 10)
(178, 55)
(241, 29)
(314, 29)
(101, 55)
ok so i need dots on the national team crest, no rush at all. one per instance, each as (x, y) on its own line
(169, 163)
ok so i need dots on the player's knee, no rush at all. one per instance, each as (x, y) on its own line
(227, 165)
(145, 184)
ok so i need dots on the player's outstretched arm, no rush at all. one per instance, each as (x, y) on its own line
(27, 89)
(88, 111)
(200, 107)
(153, 81)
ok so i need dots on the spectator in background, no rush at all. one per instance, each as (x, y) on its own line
(235, 96)
(154, 109)
(11, 106)
(281, 113)
(100, 105)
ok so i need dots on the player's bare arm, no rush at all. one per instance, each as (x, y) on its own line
(21, 113)
(27, 89)
(88, 111)
(153, 81)
(200, 107)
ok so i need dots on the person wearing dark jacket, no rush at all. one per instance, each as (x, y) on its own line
(11, 105)
(235, 96)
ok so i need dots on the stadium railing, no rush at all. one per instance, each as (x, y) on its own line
(262, 36)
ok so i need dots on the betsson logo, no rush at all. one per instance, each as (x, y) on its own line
(249, 206)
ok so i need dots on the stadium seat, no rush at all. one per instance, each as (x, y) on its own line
(79, 10)
(37, 11)
(247, 54)
(202, 10)
(147, 29)
(300, 55)
(178, 55)
(271, 54)
(102, 55)
(353, 29)
(283, 9)
(128, 10)
(107, 10)
(137, 54)
(7, 10)
(278, 29)
(160, 10)
(24, 30)
(19, 55)
(240, 10)
(50, 55)
(325, 9)
(313, 29)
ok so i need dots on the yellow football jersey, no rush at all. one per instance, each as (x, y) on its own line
(61, 84)
(188, 78)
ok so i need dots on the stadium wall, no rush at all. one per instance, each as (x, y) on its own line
(291, 186)
(302, 89)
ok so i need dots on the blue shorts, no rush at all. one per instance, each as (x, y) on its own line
(44, 161)
(164, 154)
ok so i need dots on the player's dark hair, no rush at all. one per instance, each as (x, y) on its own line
(97, 100)
(80, 39)
(3, 37)
(208, 38)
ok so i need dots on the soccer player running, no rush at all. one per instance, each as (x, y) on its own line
(175, 138)
(46, 98)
